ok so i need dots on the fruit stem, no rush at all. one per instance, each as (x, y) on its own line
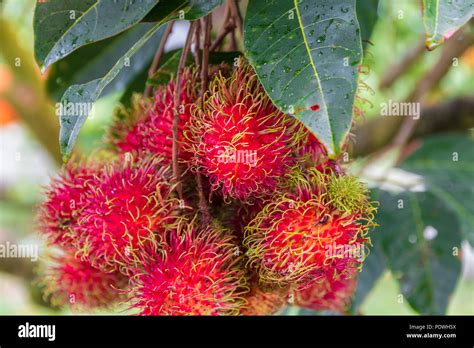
(197, 43)
(205, 55)
(237, 16)
(455, 47)
(207, 27)
(227, 27)
(177, 91)
(156, 60)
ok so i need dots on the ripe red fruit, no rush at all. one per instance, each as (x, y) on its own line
(263, 299)
(303, 232)
(58, 213)
(197, 273)
(74, 282)
(329, 294)
(298, 220)
(237, 215)
(242, 142)
(129, 207)
(313, 150)
(147, 128)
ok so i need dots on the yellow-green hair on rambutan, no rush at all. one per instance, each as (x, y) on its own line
(298, 236)
(347, 194)
(240, 140)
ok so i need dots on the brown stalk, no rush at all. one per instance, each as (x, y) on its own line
(197, 43)
(228, 28)
(453, 48)
(395, 71)
(234, 8)
(27, 93)
(452, 115)
(156, 60)
(177, 92)
(206, 216)
(225, 29)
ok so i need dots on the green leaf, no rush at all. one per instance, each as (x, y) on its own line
(374, 267)
(201, 8)
(194, 9)
(306, 54)
(418, 234)
(82, 97)
(62, 26)
(367, 17)
(446, 163)
(443, 17)
(93, 61)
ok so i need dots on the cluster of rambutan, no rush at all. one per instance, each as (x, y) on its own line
(288, 227)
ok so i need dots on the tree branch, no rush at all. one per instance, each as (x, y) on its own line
(197, 43)
(156, 60)
(205, 55)
(225, 29)
(206, 216)
(452, 115)
(237, 16)
(228, 28)
(453, 48)
(379, 132)
(27, 94)
(177, 92)
(395, 71)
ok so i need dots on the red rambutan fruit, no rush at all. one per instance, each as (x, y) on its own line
(58, 213)
(147, 128)
(68, 280)
(313, 154)
(313, 150)
(330, 293)
(314, 226)
(197, 273)
(129, 207)
(264, 299)
(237, 215)
(241, 141)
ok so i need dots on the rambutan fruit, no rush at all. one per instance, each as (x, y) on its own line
(59, 211)
(129, 207)
(313, 154)
(68, 280)
(124, 135)
(147, 127)
(328, 294)
(241, 141)
(313, 151)
(264, 299)
(197, 273)
(237, 215)
(347, 193)
(300, 234)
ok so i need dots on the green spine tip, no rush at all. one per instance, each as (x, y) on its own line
(347, 194)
